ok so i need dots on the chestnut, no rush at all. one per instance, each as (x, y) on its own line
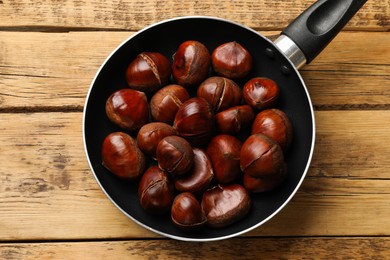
(231, 60)
(224, 205)
(191, 63)
(122, 157)
(234, 119)
(186, 212)
(148, 72)
(200, 177)
(264, 184)
(166, 101)
(128, 109)
(195, 121)
(175, 155)
(275, 124)
(261, 156)
(151, 134)
(222, 93)
(224, 152)
(156, 191)
(261, 93)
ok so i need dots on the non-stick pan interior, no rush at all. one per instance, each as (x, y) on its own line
(165, 37)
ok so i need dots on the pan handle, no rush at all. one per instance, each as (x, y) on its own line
(312, 31)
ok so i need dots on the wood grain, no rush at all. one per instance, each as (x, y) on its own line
(45, 182)
(260, 248)
(134, 15)
(39, 70)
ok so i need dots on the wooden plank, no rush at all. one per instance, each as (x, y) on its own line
(45, 182)
(133, 15)
(36, 69)
(264, 248)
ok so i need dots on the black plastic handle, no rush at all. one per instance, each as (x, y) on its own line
(320, 23)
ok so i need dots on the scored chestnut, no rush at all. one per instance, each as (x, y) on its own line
(231, 60)
(222, 93)
(156, 191)
(122, 157)
(224, 205)
(128, 109)
(186, 212)
(224, 152)
(175, 155)
(166, 101)
(195, 121)
(233, 120)
(148, 72)
(264, 184)
(275, 124)
(261, 156)
(151, 134)
(261, 93)
(191, 63)
(200, 177)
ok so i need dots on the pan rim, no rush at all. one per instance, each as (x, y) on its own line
(182, 238)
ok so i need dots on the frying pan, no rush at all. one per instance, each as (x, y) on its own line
(298, 44)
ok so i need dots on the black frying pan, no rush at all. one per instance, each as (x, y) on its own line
(306, 37)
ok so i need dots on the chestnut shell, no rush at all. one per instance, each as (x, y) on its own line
(156, 191)
(195, 121)
(261, 93)
(122, 157)
(234, 120)
(128, 109)
(261, 156)
(224, 205)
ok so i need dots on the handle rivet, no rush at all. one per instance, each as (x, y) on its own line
(285, 70)
(270, 53)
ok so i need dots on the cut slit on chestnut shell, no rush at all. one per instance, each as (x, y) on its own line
(148, 72)
(261, 156)
(224, 205)
(195, 121)
(166, 101)
(222, 93)
(156, 191)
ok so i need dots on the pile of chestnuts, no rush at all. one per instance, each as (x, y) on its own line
(211, 141)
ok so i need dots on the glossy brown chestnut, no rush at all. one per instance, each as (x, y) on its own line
(151, 134)
(224, 205)
(128, 109)
(264, 184)
(175, 155)
(231, 60)
(186, 212)
(166, 101)
(122, 157)
(195, 121)
(156, 191)
(148, 72)
(222, 93)
(191, 63)
(261, 156)
(261, 93)
(275, 124)
(224, 152)
(200, 177)
(235, 119)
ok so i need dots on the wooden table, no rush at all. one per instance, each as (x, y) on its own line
(51, 205)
